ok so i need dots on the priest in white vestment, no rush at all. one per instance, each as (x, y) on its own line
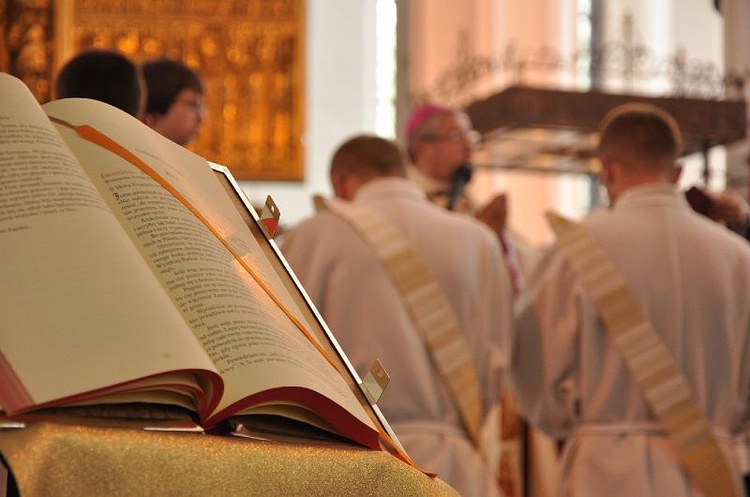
(366, 313)
(692, 278)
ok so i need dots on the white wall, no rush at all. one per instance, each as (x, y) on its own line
(340, 98)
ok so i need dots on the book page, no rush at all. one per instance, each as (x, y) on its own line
(324, 336)
(81, 309)
(242, 314)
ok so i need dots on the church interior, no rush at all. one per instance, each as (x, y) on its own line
(287, 81)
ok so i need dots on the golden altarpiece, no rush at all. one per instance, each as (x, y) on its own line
(249, 53)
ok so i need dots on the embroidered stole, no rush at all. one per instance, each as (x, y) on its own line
(649, 360)
(428, 307)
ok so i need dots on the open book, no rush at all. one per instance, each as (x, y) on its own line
(129, 275)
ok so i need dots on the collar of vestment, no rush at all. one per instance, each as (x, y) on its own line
(429, 185)
(651, 195)
(438, 192)
(388, 188)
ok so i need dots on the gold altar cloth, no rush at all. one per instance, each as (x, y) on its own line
(52, 459)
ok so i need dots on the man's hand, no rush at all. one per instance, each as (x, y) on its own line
(730, 208)
(495, 214)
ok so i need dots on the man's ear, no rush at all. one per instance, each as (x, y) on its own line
(607, 173)
(417, 147)
(676, 172)
(338, 183)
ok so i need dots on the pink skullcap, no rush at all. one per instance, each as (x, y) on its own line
(421, 115)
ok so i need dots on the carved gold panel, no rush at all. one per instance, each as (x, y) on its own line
(249, 53)
(27, 48)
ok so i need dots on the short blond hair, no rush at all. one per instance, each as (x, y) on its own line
(368, 156)
(640, 130)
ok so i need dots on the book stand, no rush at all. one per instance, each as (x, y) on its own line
(56, 455)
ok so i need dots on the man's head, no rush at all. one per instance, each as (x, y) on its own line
(638, 144)
(361, 159)
(439, 140)
(103, 75)
(174, 106)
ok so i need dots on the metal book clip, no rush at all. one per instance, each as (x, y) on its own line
(269, 218)
(375, 382)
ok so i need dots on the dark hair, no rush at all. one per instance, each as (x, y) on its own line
(165, 79)
(368, 155)
(102, 75)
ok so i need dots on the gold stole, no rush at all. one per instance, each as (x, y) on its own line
(429, 308)
(648, 359)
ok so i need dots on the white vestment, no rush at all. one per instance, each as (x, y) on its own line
(364, 310)
(529, 459)
(692, 277)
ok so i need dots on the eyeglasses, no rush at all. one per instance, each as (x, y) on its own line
(472, 136)
(193, 104)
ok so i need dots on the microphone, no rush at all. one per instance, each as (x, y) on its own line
(461, 176)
